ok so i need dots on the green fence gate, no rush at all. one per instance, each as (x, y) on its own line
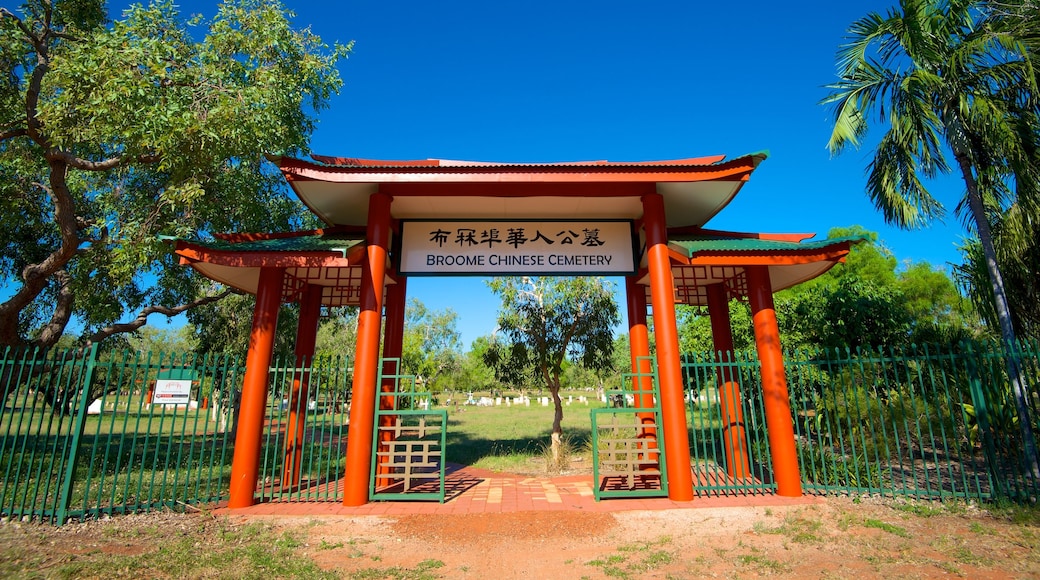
(304, 446)
(408, 442)
(729, 447)
(628, 458)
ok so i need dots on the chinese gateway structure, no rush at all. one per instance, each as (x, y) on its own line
(388, 220)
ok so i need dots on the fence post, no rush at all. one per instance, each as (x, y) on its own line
(979, 401)
(77, 432)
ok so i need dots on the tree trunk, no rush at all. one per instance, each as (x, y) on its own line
(556, 445)
(1007, 329)
(36, 277)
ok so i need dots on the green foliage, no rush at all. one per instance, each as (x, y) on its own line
(1019, 257)
(118, 132)
(432, 346)
(224, 325)
(474, 374)
(546, 320)
(337, 334)
(864, 303)
(949, 77)
(151, 339)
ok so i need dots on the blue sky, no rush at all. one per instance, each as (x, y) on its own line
(568, 81)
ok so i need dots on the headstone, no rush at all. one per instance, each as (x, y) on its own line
(94, 408)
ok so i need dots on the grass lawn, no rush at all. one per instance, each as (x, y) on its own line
(512, 438)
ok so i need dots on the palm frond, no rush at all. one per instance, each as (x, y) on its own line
(894, 187)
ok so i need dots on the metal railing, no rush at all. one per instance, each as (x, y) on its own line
(81, 434)
(303, 457)
(926, 422)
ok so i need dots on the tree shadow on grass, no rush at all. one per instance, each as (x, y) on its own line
(466, 449)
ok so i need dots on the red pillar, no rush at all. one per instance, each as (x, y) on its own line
(245, 466)
(393, 337)
(306, 338)
(774, 384)
(366, 359)
(639, 343)
(733, 433)
(666, 338)
(393, 346)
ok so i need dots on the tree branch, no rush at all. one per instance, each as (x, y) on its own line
(12, 133)
(36, 276)
(77, 162)
(64, 302)
(142, 317)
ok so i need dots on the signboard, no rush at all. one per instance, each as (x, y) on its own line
(171, 392)
(517, 247)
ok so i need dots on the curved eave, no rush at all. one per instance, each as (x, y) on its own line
(192, 253)
(460, 172)
(694, 190)
(787, 267)
(832, 253)
(337, 272)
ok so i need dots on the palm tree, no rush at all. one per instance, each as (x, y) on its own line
(948, 79)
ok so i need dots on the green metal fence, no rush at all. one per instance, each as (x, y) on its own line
(322, 391)
(81, 433)
(81, 436)
(936, 422)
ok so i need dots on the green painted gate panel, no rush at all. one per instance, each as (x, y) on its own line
(711, 434)
(325, 387)
(628, 459)
(408, 442)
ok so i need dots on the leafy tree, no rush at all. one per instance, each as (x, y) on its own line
(432, 345)
(112, 133)
(224, 325)
(695, 327)
(938, 312)
(863, 303)
(509, 365)
(151, 339)
(947, 77)
(1021, 270)
(545, 320)
(337, 334)
(621, 359)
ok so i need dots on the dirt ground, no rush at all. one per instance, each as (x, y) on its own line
(835, 538)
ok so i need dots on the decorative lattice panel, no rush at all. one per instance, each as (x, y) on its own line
(409, 440)
(628, 459)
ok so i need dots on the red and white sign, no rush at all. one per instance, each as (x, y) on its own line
(171, 392)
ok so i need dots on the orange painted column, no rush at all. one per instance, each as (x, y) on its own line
(366, 358)
(245, 466)
(306, 338)
(393, 346)
(774, 383)
(730, 401)
(639, 343)
(666, 338)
